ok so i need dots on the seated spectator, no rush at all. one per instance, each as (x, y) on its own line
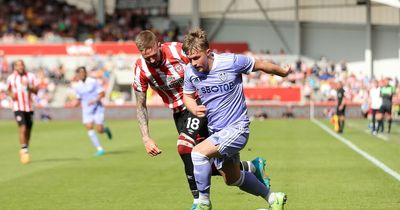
(288, 113)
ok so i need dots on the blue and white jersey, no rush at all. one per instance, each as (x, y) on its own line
(221, 89)
(88, 91)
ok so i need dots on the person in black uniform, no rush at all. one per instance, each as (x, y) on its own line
(387, 92)
(341, 106)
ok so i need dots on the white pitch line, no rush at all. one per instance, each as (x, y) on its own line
(352, 146)
(383, 137)
(367, 131)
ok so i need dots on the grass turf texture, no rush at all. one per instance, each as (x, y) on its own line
(312, 167)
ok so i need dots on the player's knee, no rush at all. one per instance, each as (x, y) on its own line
(234, 180)
(22, 128)
(89, 126)
(230, 182)
(185, 144)
(199, 159)
(99, 129)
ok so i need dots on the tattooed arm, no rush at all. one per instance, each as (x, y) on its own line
(143, 120)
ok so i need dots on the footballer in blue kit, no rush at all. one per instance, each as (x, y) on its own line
(217, 79)
(89, 93)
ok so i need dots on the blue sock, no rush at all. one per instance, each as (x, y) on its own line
(202, 173)
(95, 141)
(248, 182)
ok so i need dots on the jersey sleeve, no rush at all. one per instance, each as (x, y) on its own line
(243, 64)
(140, 83)
(33, 81)
(99, 87)
(9, 84)
(75, 90)
(77, 95)
(188, 86)
(182, 54)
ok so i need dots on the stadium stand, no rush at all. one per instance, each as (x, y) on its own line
(24, 21)
(30, 22)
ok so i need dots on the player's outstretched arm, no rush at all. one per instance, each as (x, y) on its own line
(270, 68)
(98, 98)
(76, 102)
(143, 120)
(190, 102)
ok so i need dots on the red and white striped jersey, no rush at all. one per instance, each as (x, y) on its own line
(18, 85)
(167, 80)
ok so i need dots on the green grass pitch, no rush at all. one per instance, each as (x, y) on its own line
(313, 168)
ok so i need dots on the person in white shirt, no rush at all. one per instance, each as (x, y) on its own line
(375, 102)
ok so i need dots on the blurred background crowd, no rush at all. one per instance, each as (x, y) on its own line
(45, 21)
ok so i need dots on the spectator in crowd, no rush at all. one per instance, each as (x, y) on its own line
(57, 21)
(3, 64)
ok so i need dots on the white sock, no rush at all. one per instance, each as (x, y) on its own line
(270, 198)
(95, 141)
(196, 201)
(204, 198)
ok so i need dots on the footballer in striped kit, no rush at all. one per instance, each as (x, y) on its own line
(21, 87)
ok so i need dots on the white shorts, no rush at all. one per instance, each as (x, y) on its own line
(96, 117)
(231, 140)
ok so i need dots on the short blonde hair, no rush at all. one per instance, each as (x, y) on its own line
(195, 40)
(145, 39)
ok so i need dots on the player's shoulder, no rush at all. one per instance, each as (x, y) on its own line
(30, 75)
(229, 57)
(189, 69)
(11, 76)
(171, 44)
(91, 80)
(224, 60)
(222, 56)
(168, 46)
(75, 84)
(139, 61)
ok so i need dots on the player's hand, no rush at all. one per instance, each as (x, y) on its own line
(151, 147)
(287, 69)
(13, 97)
(32, 89)
(200, 111)
(92, 102)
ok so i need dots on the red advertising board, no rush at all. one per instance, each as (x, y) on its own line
(70, 49)
(290, 94)
(97, 48)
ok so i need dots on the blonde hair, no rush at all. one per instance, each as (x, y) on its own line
(145, 39)
(195, 40)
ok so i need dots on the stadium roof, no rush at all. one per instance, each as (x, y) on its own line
(91, 5)
(392, 3)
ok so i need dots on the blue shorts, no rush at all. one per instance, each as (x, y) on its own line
(95, 116)
(230, 140)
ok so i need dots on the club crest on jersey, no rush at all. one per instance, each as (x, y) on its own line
(222, 76)
(178, 68)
